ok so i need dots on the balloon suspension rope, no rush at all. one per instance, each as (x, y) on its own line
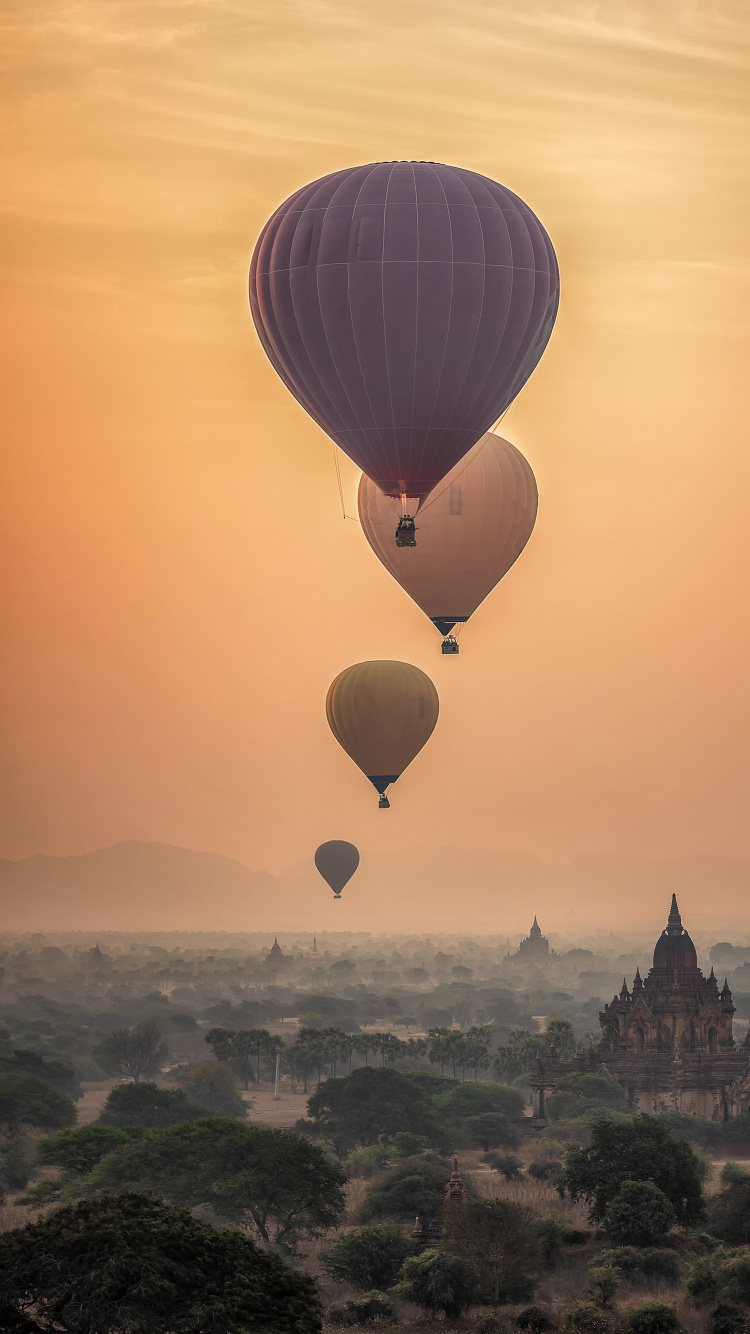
(344, 514)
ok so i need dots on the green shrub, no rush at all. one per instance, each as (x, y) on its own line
(505, 1164)
(734, 1279)
(545, 1171)
(16, 1162)
(604, 1282)
(639, 1215)
(364, 1310)
(437, 1281)
(407, 1143)
(653, 1318)
(367, 1162)
(729, 1209)
(729, 1320)
(590, 1319)
(369, 1258)
(534, 1320)
(552, 1234)
(703, 1280)
(643, 1264)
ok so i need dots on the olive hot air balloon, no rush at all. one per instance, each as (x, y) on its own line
(382, 713)
(472, 528)
(404, 304)
(337, 861)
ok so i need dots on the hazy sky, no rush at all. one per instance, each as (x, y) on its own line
(179, 585)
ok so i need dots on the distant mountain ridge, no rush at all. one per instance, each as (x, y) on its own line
(138, 886)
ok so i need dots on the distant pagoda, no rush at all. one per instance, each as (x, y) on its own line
(534, 949)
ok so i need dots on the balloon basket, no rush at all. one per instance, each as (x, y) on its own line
(384, 804)
(406, 533)
(449, 645)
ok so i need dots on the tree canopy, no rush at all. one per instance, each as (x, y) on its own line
(639, 1215)
(26, 1100)
(729, 1209)
(414, 1187)
(129, 1262)
(281, 1185)
(438, 1281)
(54, 1072)
(368, 1257)
(489, 1130)
(213, 1086)
(369, 1105)
(148, 1105)
(640, 1149)
(575, 1095)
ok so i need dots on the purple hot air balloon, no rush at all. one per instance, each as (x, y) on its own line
(404, 304)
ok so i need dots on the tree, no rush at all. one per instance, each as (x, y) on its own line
(279, 1184)
(489, 1130)
(26, 1100)
(215, 1089)
(577, 1094)
(369, 1257)
(437, 1281)
(729, 1209)
(221, 1041)
(77, 1152)
(653, 1318)
(519, 1054)
(369, 1105)
(414, 1187)
(500, 1242)
(130, 1262)
(604, 1283)
(506, 1164)
(243, 1047)
(639, 1215)
(559, 1034)
(310, 1052)
(133, 1052)
(54, 1072)
(640, 1149)
(148, 1105)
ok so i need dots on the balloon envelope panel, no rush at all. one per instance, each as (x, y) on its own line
(382, 713)
(471, 529)
(337, 861)
(404, 304)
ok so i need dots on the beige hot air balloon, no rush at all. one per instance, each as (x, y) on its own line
(382, 713)
(471, 528)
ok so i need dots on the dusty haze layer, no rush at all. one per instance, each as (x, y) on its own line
(179, 585)
(136, 886)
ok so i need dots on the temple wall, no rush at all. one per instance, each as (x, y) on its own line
(705, 1103)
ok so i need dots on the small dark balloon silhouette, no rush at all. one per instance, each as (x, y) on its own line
(337, 861)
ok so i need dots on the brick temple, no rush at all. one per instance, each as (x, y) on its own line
(668, 1041)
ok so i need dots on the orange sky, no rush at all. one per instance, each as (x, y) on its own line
(179, 586)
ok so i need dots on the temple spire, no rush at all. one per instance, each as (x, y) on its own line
(674, 921)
